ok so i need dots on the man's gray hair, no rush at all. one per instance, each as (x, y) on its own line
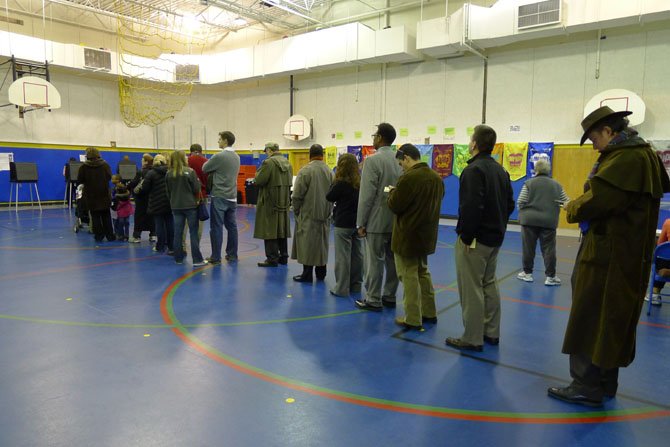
(542, 166)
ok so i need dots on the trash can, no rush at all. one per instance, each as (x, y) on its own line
(251, 191)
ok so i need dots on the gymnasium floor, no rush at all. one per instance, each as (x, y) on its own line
(113, 345)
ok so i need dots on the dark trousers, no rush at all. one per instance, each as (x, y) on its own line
(164, 231)
(276, 250)
(101, 222)
(529, 238)
(591, 380)
(661, 264)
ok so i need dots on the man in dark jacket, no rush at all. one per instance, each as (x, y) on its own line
(485, 201)
(95, 175)
(618, 215)
(415, 202)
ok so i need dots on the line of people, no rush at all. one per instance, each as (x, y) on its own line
(394, 206)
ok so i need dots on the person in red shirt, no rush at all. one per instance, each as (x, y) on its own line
(662, 266)
(195, 162)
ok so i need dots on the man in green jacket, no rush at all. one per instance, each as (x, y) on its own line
(274, 179)
(415, 203)
(618, 215)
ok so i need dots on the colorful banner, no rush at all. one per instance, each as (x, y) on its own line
(497, 152)
(426, 153)
(662, 147)
(330, 156)
(367, 151)
(443, 159)
(539, 151)
(461, 157)
(357, 151)
(514, 160)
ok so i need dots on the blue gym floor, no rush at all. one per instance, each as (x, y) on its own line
(112, 345)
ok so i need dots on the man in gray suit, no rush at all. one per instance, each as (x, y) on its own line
(375, 221)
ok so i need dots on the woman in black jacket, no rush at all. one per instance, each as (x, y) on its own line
(155, 186)
(348, 246)
(143, 221)
(95, 175)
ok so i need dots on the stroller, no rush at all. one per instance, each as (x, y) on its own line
(81, 212)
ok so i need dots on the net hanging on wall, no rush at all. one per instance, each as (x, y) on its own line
(155, 74)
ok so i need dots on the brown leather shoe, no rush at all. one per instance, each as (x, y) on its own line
(401, 322)
(572, 395)
(460, 344)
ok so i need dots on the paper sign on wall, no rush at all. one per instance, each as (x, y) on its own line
(358, 134)
(404, 132)
(432, 130)
(5, 159)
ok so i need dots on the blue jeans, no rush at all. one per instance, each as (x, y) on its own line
(122, 227)
(180, 217)
(164, 231)
(222, 213)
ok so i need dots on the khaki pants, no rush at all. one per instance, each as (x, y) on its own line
(478, 290)
(419, 295)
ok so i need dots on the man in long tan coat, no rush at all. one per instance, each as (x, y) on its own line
(273, 180)
(312, 216)
(618, 215)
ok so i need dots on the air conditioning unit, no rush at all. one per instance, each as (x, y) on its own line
(538, 14)
(187, 73)
(97, 59)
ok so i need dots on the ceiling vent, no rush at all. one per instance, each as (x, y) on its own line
(187, 73)
(97, 59)
(539, 14)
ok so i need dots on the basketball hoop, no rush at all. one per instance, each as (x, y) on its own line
(297, 128)
(290, 136)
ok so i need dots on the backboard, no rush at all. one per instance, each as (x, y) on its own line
(31, 91)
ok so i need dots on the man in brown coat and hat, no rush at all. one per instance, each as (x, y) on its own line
(617, 214)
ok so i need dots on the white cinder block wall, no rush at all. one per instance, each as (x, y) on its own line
(542, 88)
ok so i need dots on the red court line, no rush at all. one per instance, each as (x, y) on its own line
(73, 268)
(399, 407)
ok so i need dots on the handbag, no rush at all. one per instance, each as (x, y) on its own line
(203, 214)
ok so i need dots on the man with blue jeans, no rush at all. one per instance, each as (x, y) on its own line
(224, 168)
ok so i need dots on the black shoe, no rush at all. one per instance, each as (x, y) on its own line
(214, 261)
(571, 395)
(388, 303)
(302, 278)
(460, 344)
(365, 306)
(337, 294)
(230, 258)
(494, 341)
(432, 320)
(283, 261)
(320, 272)
(267, 264)
(401, 322)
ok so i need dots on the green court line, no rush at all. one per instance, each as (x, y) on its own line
(168, 326)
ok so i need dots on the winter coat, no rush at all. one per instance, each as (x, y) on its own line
(155, 185)
(273, 179)
(95, 175)
(416, 203)
(485, 201)
(312, 213)
(183, 190)
(614, 259)
(345, 198)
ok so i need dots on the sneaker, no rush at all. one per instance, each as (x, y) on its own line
(179, 262)
(201, 263)
(523, 276)
(213, 261)
(134, 240)
(552, 281)
(170, 252)
(153, 238)
(656, 299)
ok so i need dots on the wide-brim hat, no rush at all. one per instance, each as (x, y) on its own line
(596, 117)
